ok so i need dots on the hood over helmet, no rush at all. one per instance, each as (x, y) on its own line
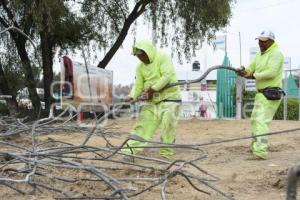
(147, 46)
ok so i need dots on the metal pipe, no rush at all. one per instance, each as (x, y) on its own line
(293, 178)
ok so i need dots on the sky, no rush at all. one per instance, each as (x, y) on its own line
(249, 18)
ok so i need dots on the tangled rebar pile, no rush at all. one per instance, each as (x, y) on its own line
(83, 171)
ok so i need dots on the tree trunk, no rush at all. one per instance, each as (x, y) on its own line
(11, 102)
(47, 61)
(135, 13)
(29, 77)
(20, 42)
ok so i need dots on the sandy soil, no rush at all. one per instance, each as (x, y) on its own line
(242, 175)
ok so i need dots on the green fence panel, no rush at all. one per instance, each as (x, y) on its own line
(226, 91)
(292, 88)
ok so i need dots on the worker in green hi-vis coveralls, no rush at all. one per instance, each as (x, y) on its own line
(162, 106)
(267, 69)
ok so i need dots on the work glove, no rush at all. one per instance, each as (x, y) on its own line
(243, 73)
(249, 76)
(148, 94)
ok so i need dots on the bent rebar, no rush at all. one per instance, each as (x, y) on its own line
(293, 178)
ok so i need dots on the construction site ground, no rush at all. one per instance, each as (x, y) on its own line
(242, 175)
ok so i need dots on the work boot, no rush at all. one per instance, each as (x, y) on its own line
(259, 149)
(133, 151)
(261, 155)
(167, 153)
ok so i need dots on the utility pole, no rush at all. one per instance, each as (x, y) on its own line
(285, 98)
(239, 87)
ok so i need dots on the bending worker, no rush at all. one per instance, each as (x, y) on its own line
(266, 68)
(162, 106)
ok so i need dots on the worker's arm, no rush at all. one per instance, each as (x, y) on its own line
(166, 69)
(138, 85)
(247, 72)
(251, 67)
(272, 69)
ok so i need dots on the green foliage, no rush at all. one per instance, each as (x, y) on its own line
(186, 24)
(14, 75)
(56, 17)
(249, 94)
(183, 25)
(69, 25)
(293, 107)
(3, 109)
(105, 19)
(66, 27)
(293, 110)
(51, 25)
(12, 66)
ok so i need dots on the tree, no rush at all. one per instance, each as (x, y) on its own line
(11, 75)
(69, 25)
(12, 78)
(4, 85)
(22, 19)
(57, 27)
(183, 24)
(51, 24)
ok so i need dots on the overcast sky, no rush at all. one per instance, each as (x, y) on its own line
(249, 18)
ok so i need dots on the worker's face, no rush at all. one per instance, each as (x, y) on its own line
(264, 45)
(143, 57)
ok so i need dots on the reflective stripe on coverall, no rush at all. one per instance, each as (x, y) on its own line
(156, 112)
(268, 69)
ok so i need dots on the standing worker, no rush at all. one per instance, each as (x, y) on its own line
(162, 106)
(266, 68)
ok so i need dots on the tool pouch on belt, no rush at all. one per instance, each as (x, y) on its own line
(272, 93)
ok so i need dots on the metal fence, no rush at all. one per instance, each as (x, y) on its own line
(291, 87)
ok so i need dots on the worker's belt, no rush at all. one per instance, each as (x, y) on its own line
(272, 93)
(172, 100)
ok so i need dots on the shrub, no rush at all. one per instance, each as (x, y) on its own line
(292, 104)
(248, 99)
(292, 112)
(3, 109)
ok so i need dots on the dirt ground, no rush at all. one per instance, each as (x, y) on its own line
(242, 175)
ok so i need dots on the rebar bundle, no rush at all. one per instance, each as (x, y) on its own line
(83, 171)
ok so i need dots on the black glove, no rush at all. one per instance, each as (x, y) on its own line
(241, 71)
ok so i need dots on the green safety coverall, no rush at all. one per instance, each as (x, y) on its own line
(160, 111)
(268, 70)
